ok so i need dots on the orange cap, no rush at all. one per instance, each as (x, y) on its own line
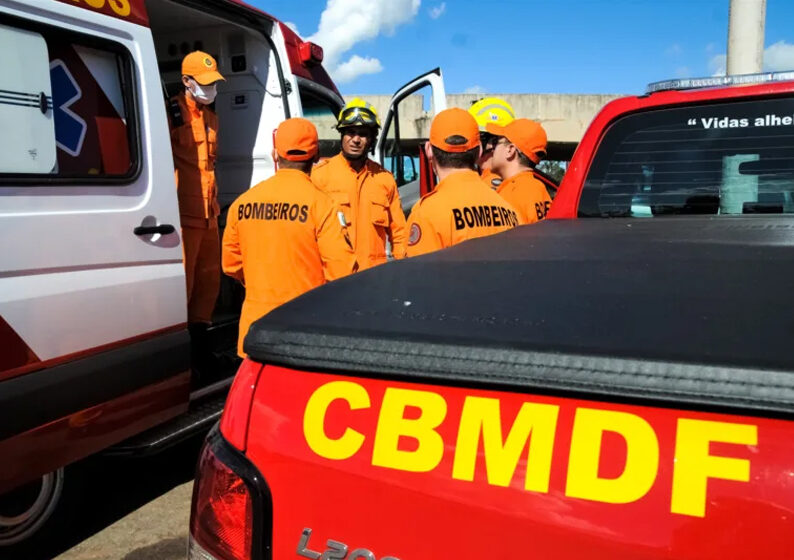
(202, 67)
(296, 140)
(454, 130)
(526, 135)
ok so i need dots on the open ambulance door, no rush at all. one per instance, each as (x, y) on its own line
(400, 147)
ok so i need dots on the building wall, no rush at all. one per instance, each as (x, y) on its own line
(564, 116)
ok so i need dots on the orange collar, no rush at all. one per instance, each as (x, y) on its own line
(192, 105)
(458, 178)
(293, 172)
(515, 179)
(364, 168)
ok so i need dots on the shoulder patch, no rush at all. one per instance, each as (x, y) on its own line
(415, 234)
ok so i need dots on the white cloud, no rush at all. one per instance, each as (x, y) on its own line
(475, 89)
(718, 64)
(344, 23)
(674, 50)
(356, 66)
(292, 26)
(777, 57)
(438, 11)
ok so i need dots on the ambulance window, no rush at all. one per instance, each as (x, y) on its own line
(726, 158)
(405, 135)
(66, 108)
(27, 144)
(322, 112)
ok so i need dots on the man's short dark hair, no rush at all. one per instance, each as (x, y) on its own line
(305, 166)
(524, 160)
(456, 160)
(487, 140)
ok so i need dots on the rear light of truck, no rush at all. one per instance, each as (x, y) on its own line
(221, 523)
(236, 413)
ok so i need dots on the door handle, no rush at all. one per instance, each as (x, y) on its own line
(163, 229)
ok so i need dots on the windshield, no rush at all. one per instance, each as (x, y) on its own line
(322, 111)
(722, 158)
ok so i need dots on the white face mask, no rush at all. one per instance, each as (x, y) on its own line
(203, 94)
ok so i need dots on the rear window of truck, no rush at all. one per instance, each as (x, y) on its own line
(722, 158)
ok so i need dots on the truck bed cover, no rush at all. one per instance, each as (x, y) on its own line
(672, 310)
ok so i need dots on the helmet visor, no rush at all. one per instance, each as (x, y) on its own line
(357, 115)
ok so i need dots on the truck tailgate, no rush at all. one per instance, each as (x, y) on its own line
(411, 470)
(587, 389)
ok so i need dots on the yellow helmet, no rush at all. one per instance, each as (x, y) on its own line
(357, 112)
(492, 110)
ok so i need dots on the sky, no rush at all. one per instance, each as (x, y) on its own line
(525, 46)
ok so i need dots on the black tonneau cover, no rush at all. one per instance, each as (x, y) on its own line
(682, 309)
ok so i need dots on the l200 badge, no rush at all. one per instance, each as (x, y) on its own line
(334, 550)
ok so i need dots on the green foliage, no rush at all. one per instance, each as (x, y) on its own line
(554, 169)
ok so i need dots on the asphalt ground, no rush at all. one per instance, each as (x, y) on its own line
(124, 509)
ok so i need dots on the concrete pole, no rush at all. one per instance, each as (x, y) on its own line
(746, 36)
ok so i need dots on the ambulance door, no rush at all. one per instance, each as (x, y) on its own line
(406, 127)
(89, 223)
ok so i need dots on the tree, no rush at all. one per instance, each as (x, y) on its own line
(554, 169)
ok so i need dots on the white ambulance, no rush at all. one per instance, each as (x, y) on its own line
(94, 350)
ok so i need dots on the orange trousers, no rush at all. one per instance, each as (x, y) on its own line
(201, 249)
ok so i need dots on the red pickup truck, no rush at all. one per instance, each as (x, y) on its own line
(601, 389)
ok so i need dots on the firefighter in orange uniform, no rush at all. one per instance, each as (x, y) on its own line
(194, 132)
(490, 110)
(284, 236)
(364, 191)
(521, 146)
(462, 206)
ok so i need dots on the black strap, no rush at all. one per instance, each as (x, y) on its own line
(175, 112)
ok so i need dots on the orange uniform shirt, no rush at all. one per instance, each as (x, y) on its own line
(527, 195)
(461, 207)
(194, 145)
(371, 205)
(283, 238)
(491, 179)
